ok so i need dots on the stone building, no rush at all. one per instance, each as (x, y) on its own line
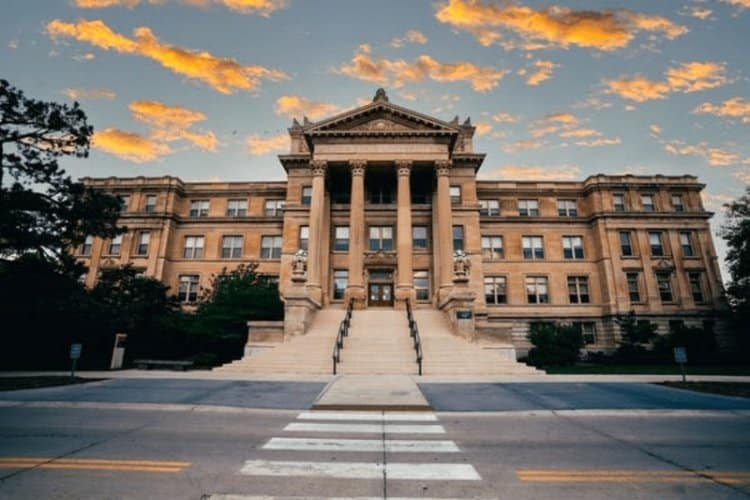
(387, 204)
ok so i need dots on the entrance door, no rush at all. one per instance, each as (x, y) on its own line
(381, 294)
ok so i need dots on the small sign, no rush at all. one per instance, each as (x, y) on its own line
(464, 314)
(75, 351)
(680, 355)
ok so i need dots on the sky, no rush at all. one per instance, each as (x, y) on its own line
(205, 89)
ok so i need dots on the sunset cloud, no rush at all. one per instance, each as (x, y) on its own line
(296, 106)
(483, 128)
(736, 107)
(580, 132)
(411, 36)
(102, 4)
(258, 146)
(522, 145)
(86, 94)
(596, 143)
(655, 130)
(535, 173)
(543, 72)
(504, 118)
(554, 25)
(686, 78)
(171, 123)
(129, 146)
(260, 7)
(742, 4)
(224, 74)
(716, 157)
(396, 72)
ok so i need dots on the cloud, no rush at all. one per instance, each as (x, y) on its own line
(536, 173)
(395, 72)
(716, 157)
(81, 94)
(604, 30)
(543, 72)
(483, 128)
(580, 132)
(715, 202)
(224, 74)
(409, 96)
(686, 78)
(504, 118)
(599, 142)
(258, 146)
(88, 56)
(697, 12)
(171, 123)
(742, 4)
(411, 36)
(552, 124)
(296, 106)
(736, 107)
(13, 44)
(129, 146)
(743, 176)
(523, 144)
(655, 130)
(260, 7)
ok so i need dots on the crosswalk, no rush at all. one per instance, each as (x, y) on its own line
(381, 437)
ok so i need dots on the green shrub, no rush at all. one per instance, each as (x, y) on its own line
(554, 345)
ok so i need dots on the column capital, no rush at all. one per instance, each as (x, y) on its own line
(318, 167)
(443, 167)
(403, 167)
(357, 166)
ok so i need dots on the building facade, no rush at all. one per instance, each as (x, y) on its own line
(386, 203)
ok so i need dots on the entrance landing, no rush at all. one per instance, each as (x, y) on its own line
(381, 393)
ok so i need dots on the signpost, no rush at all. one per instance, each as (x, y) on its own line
(680, 356)
(75, 353)
(118, 351)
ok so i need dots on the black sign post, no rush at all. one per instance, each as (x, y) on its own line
(75, 353)
(680, 356)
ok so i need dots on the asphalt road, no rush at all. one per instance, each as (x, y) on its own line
(194, 452)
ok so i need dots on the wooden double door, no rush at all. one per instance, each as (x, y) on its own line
(380, 288)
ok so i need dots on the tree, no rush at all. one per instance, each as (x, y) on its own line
(554, 345)
(42, 210)
(736, 232)
(635, 335)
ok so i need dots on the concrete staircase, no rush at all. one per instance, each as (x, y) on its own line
(308, 354)
(447, 354)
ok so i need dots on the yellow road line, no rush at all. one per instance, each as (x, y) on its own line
(621, 476)
(92, 464)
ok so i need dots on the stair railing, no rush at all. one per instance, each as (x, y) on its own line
(343, 332)
(414, 332)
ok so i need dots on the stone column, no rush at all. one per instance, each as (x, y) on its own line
(356, 288)
(445, 226)
(405, 285)
(318, 170)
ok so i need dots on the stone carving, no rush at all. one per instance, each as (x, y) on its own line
(461, 264)
(380, 95)
(403, 167)
(318, 168)
(442, 167)
(299, 265)
(381, 125)
(357, 167)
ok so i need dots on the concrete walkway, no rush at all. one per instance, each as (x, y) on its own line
(366, 392)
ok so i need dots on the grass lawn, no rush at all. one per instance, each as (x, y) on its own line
(16, 383)
(590, 368)
(737, 389)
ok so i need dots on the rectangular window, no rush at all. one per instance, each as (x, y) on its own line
(236, 208)
(270, 247)
(626, 247)
(304, 237)
(115, 245)
(124, 202)
(578, 289)
(588, 330)
(458, 238)
(492, 247)
(419, 237)
(528, 208)
(231, 247)
(686, 244)
(199, 208)
(567, 208)
(677, 204)
(618, 202)
(149, 204)
(144, 238)
(634, 290)
(340, 282)
(422, 285)
(193, 247)
(381, 195)
(495, 290)
(536, 290)
(489, 207)
(307, 195)
(188, 289)
(647, 201)
(533, 247)
(572, 247)
(654, 241)
(381, 238)
(696, 287)
(664, 284)
(274, 208)
(455, 192)
(341, 239)
(88, 243)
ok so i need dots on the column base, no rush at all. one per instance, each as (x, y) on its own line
(314, 292)
(356, 293)
(404, 293)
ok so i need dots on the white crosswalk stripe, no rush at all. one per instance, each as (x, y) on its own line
(365, 428)
(389, 445)
(368, 415)
(361, 470)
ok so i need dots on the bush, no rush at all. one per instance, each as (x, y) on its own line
(554, 345)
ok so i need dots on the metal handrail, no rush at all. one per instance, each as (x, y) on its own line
(414, 332)
(343, 332)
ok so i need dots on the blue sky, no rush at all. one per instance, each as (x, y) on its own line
(204, 89)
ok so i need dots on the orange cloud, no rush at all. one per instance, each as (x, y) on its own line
(604, 30)
(655, 130)
(411, 36)
(697, 12)
(543, 72)
(536, 173)
(223, 74)
(129, 146)
(295, 106)
(171, 123)
(715, 157)
(686, 78)
(483, 128)
(742, 4)
(258, 146)
(504, 118)
(580, 132)
(396, 72)
(260, 7)
(80, 94)
(523, 144)
(736, 107)
(101, 4)
(598, 142)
